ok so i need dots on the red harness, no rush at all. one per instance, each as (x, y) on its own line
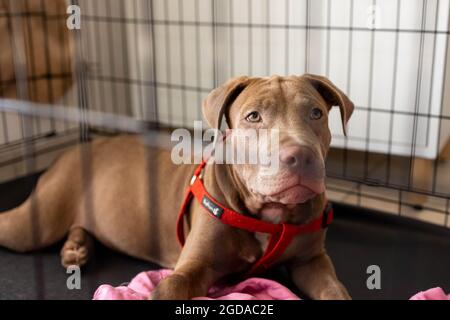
(281, 234)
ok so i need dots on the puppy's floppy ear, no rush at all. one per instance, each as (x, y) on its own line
(217, 102)
(333, 96)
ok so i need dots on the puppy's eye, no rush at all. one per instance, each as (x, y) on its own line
(316, 114)
(253, 117)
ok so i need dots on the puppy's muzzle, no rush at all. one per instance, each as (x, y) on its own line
(302, 161)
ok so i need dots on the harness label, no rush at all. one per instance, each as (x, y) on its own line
(212, 207)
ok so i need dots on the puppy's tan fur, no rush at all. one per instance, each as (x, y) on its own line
(133, 197)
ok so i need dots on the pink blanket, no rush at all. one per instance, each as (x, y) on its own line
(143, 284)
(431, 294)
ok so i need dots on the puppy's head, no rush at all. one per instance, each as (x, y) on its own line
(297, 107)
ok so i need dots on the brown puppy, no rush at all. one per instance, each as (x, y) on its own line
(136, 193)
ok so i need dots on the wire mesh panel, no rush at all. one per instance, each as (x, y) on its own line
(155, 60)
(35, 65)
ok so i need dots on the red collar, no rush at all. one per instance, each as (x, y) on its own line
(281, 234)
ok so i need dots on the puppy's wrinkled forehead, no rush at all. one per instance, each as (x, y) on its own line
(273, 93)
(277, 94)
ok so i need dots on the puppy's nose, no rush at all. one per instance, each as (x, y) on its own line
(300, 158)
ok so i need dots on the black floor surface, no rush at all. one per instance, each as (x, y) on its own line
(412, 257)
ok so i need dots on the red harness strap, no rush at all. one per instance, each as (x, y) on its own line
(281, 234)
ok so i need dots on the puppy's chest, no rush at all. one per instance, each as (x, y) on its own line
(300, 246)
(263, 242)
(251, 251)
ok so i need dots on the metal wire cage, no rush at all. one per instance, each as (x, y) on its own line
(151, 62)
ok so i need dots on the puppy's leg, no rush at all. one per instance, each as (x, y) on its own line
(46, 216)
(210, 252)
(78, 248)
(40, 221)
(194, 273)
(191, 280)
(317, 279)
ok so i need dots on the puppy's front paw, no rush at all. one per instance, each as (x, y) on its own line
(77, 249)
(74, 254)
(174, 287)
